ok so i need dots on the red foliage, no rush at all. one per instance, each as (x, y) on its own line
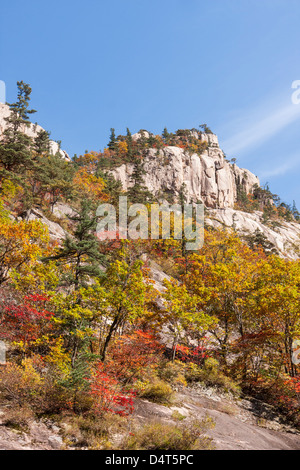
(132, 354)
(195, 355)
(109, 395)
(25, 322)
(128, 358)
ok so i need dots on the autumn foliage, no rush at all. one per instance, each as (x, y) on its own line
(87, 328)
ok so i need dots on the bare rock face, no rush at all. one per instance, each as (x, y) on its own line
(211, 179)
(56, 232)
(207, 178)
(285, 236)
(31, 131)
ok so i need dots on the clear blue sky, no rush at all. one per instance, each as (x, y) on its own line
(97, 64)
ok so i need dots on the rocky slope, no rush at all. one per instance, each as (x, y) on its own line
(239, 424)
(285, 236)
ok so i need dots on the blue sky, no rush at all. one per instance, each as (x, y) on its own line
(147, 64)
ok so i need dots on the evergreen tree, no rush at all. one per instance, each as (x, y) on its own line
(16, 147)
(112, 140)
(81, 251)
(205, 129)
(258, 239)
(49, 180)
(139, 193)
(77, 380)
(129, 142)
(41, 143)
(19, 110)
(295, 211)
(55, 176)
(165, 134)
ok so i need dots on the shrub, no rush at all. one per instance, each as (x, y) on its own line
(91, 431)
(173, 372)
(22, 385)
(282, 393)
(133, 356)
(162, 436)
(18, 418)
(32, 386)
(211, 375)
(108, 394)
(158, 392)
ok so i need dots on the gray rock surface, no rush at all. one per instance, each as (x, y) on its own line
(285, 236)
(208, 178)
(239, 424)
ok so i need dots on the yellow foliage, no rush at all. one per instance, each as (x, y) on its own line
(89, 184)
(58, 356)
(122, 148)
(21, 244)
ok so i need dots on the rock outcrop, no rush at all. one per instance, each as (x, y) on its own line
(32, 130)
(211, 179)
(285, 236)
(208, 178)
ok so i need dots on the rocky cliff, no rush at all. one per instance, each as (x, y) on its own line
(208, 178)
(211, 179)
(284, 236)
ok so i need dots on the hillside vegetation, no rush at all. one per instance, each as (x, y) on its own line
(88, 331)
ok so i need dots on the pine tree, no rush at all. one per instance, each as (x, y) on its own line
(56, 178)
(258, 239)
(77, 380)
(165, 133)
(42, 143)
(16, 147)
(81, 251)
(19, 110)
(139, 193)
(112, 140)
(295, 211)
(205, 128)
(129, 145)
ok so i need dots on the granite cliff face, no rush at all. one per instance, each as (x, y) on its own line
(211, 179)
(284, 236)
(208, 177)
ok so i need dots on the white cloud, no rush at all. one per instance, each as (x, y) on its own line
(258, 127)
(289, 164)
